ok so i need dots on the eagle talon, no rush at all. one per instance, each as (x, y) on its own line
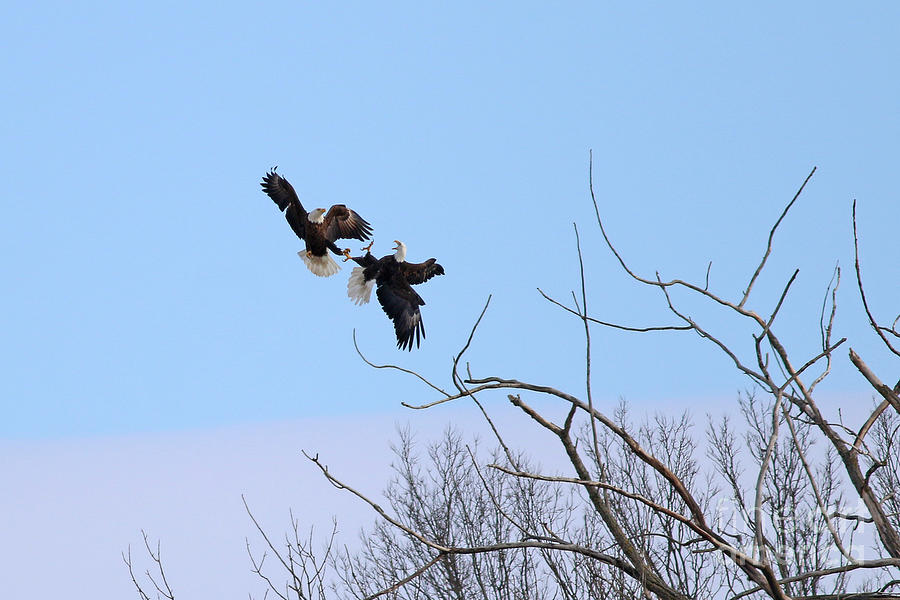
(369, 247)
(346, 254)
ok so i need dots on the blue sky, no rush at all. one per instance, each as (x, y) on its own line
(151, 288)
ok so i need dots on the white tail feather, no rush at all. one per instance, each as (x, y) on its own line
(358, 289)
(323, 266)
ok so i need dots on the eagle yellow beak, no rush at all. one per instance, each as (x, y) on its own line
(397, 246)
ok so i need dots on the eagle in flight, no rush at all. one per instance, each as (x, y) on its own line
(318, 228)
(394, 278)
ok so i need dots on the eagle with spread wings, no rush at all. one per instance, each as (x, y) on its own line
(318, 228)
(394, 278)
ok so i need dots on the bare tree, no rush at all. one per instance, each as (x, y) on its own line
(307, 571)
(155, 584)
(791, 493)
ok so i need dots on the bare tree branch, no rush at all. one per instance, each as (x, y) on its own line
(887, 393)
(437, 558)
(458, 550)
(880, 330)
(615, 325)
(762, 263)
(871, 564)
(396, 368)
(162, 587)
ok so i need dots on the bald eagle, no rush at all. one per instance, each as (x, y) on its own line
(317, 228)
(394, 278)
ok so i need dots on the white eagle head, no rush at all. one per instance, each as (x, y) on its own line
(317, 215)
(400, 254)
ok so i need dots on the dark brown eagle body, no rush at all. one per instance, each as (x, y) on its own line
(394, 278)
(317, 228)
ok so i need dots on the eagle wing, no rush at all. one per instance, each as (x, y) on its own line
(282, 193)
(421, 272)
(365, 261)
(344, 223)
(401, 304)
